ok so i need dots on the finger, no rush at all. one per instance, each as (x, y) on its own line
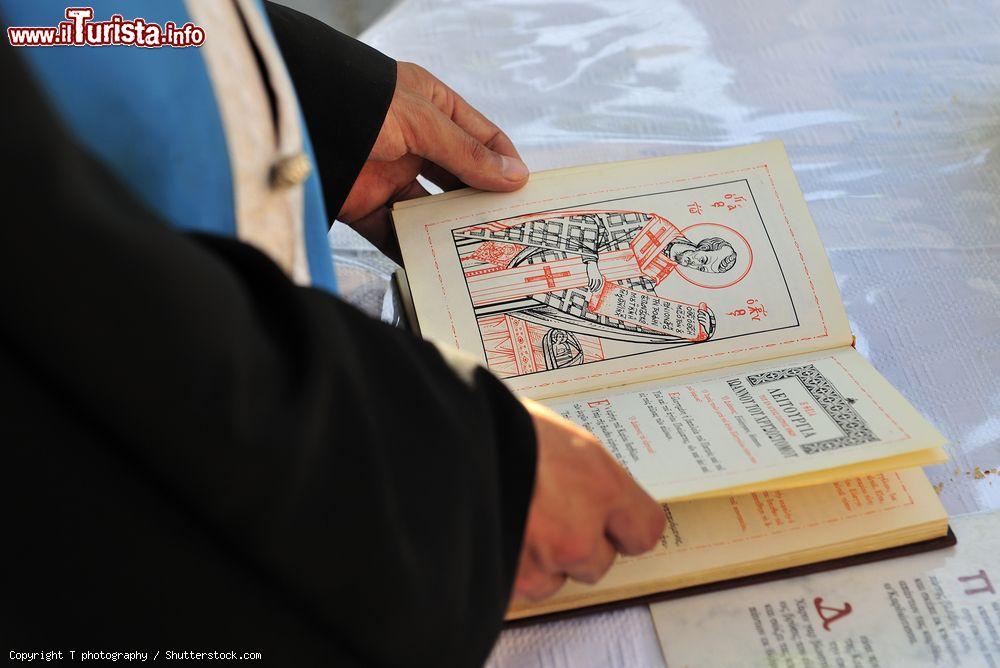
(376, 228)
(378, 183)
(636, 525)
(435, 137)
(442, 178)
(411, 190)
(476, 124)
(533, 582)
(591, 569)
(456, 108)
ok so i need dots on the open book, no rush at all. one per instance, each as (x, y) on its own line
(682, 309)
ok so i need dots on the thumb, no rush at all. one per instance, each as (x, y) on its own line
(437, 138)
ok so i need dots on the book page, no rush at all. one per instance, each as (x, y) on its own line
(599, 275)
(715, 539)
(788, 422)
(940, 608)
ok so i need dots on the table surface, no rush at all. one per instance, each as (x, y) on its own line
(890, 112)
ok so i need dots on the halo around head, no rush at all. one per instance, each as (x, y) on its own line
(744, 256)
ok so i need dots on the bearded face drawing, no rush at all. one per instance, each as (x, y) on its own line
(593, 273)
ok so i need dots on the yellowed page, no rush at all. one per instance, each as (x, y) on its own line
(928, 457)
(784, 423)
(607, 274)
(715, 539)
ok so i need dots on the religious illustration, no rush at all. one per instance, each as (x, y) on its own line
(564, 288)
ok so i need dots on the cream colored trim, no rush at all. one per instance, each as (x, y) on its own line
(267, 216)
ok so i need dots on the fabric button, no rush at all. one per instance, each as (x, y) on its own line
(291, 171)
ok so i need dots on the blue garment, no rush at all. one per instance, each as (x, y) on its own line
(151, 116)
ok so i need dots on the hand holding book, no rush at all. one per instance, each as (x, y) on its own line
(584, 511)
(682, 309)
(430, 131)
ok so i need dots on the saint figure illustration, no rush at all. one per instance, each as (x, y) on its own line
(591, 272)
(561, 349)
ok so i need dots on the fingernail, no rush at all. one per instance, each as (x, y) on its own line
(513, 169)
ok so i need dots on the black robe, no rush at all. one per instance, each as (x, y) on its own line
(200, 456)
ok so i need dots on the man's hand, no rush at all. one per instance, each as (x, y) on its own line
(428, 130)
(585, 510)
